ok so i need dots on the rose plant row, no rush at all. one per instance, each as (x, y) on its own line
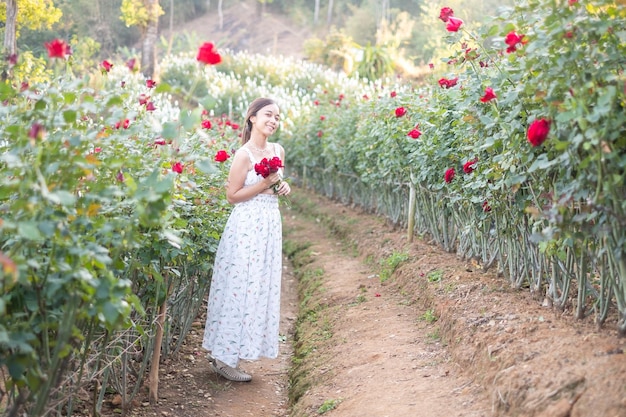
(514, 155)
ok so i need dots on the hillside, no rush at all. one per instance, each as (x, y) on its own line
(244, 30)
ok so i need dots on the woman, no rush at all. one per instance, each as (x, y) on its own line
(244, 299)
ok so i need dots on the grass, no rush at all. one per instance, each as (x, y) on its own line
(435, 276)
(390, 264)
(328, 405)
(429, 316)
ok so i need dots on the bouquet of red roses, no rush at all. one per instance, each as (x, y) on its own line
(268, 166)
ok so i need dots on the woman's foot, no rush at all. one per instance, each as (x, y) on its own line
(228, 372)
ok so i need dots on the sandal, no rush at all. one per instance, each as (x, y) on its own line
(228, 372)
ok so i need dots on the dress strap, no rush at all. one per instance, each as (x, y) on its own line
(249, 154)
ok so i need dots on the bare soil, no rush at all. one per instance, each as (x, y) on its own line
(439, 337)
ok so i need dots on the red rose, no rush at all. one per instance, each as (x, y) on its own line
(538, 131)
(151, 83)
(512, 39)
(131, 64)
(143, 99)
(234, 126)
(489, 95)
(262, 169)
(445, 14)
(57, 49)
(414, 133)
(177, 167)
(221, 156)
(448, 83)
(275, 163)
(400, 111)
(453, 24)
(106, 65)
(393, 94)
(206, 124)
(150, 106)
(449, 175)
(468, 167)
(207, 54)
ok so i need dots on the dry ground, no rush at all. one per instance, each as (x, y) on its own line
(438, 338)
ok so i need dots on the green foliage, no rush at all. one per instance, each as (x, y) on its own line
(96, 225)
(435, 276)
(328, 405)
(390, 264)
(429, 316)
(34, 14)
(135, 13)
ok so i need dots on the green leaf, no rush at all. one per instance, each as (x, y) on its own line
(41, 104)
(69, 116)
(170, 130)
(189, 120)
(115, 101)
(207, 166)
(28, 230)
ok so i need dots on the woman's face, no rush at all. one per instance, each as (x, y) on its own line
(266, 120)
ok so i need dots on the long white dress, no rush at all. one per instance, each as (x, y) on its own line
(244, 296)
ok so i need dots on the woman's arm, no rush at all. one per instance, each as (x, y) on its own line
(235, 191)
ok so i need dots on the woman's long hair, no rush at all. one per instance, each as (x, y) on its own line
(253, 109)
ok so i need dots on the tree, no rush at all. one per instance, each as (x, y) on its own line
(10, 29)
(330, 12)
(145, 14)
(33, 14)
(316, 13)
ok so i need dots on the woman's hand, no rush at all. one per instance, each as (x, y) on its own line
(283, 188)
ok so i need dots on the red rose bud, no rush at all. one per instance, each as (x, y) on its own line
(207, 54)
(486, 207)
(36, 131)
(400, 111)
(449, 175)
(489, 95)
(453, 24)
(234, 126)
(106, 65)
(538, 131)
(177, 167)
(221, 156)
(414, 134)
(150, 106)
(131, 63)
(151, 83)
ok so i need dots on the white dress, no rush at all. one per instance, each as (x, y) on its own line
(244, 297)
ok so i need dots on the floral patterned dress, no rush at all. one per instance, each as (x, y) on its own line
(244, 297)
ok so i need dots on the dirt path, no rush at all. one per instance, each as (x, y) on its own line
(436, 338)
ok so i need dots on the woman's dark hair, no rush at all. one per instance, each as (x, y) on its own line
(253, 109)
